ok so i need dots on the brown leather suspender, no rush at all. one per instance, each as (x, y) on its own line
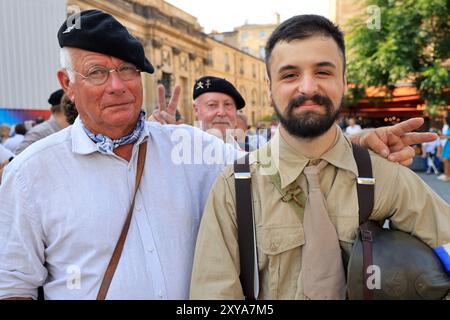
(109, 273)
(365, 188)
(246, 223)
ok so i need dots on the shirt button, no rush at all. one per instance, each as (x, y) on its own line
(150, 249)
(138, 208)
(274, 246)
(161, 293)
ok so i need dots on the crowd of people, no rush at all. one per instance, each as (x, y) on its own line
(110, 206)
(437, 152)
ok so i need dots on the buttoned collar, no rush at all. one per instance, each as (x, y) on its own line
(290, 162)
(82, 144)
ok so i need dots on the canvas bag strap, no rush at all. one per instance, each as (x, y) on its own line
(109, 273)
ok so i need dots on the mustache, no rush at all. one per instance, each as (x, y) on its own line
(317, 98)
(221, 120)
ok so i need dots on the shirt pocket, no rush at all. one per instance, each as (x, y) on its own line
(279, 259)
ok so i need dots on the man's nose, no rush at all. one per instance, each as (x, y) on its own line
(308, 86)
(116, 84)
(221, 110)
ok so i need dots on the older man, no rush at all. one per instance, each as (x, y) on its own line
(66, 197)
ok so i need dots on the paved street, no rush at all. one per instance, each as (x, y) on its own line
(441, 188)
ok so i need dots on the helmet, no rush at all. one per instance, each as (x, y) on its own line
(404, 268)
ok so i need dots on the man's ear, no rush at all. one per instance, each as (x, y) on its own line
(194, 106)
(64, 81)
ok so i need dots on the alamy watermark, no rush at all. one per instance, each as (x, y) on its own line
(374, 19)
(74, 20)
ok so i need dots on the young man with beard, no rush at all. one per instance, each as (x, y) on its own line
(299, 247)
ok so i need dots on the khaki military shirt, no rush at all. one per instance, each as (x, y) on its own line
(400, 195)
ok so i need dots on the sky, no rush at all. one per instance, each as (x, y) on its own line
(224, 15)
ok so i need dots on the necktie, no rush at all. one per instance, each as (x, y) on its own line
(322, 269)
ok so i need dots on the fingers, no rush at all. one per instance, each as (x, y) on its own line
(163, 117)
(418, 137)
(161, 98)
(404, 156)
(157, 116)
(405, 126)
(374, 142)
(173, 103)
(168, 118)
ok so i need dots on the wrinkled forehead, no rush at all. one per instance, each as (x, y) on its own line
(214, 97)
(82, 58)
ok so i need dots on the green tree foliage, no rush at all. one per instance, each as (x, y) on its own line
(401, 41)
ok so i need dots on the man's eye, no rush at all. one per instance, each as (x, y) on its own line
(289, 75)
(324, 73)
(97, 72)
(127, 69)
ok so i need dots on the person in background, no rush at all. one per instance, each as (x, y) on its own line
(56, 122)
(430, 151)
(14, 141)
(69, 109)
(353, 127)
(445, 155)
(247, 141)
(5, 132)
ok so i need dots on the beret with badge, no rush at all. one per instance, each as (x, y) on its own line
(100, 32)
(214, 84)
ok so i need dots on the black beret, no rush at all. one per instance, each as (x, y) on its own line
(214, 84)
(100, 32)
(55, 97)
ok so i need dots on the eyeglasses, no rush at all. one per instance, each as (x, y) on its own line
(98, 75)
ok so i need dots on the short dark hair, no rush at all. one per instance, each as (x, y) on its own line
(20, 129)
(302, 27)
(69, 109)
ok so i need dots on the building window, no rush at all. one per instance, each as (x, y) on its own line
(227, 62)
(242, 71)
(262, 34)
(166, 81)
(244, 36)
(254, 71)
(219, 37)
(254, 97)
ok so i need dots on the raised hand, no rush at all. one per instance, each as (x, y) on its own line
(393, 142)
(165, 114)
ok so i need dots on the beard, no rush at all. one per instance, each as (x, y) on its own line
(308, 124)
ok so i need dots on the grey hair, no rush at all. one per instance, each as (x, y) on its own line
(65, 58)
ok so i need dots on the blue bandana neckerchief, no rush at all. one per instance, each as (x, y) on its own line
(106, 145)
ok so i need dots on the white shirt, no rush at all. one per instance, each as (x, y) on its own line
(432, 146)
(353, 129)
(5, 154)
(63, 204)
(13, 142)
